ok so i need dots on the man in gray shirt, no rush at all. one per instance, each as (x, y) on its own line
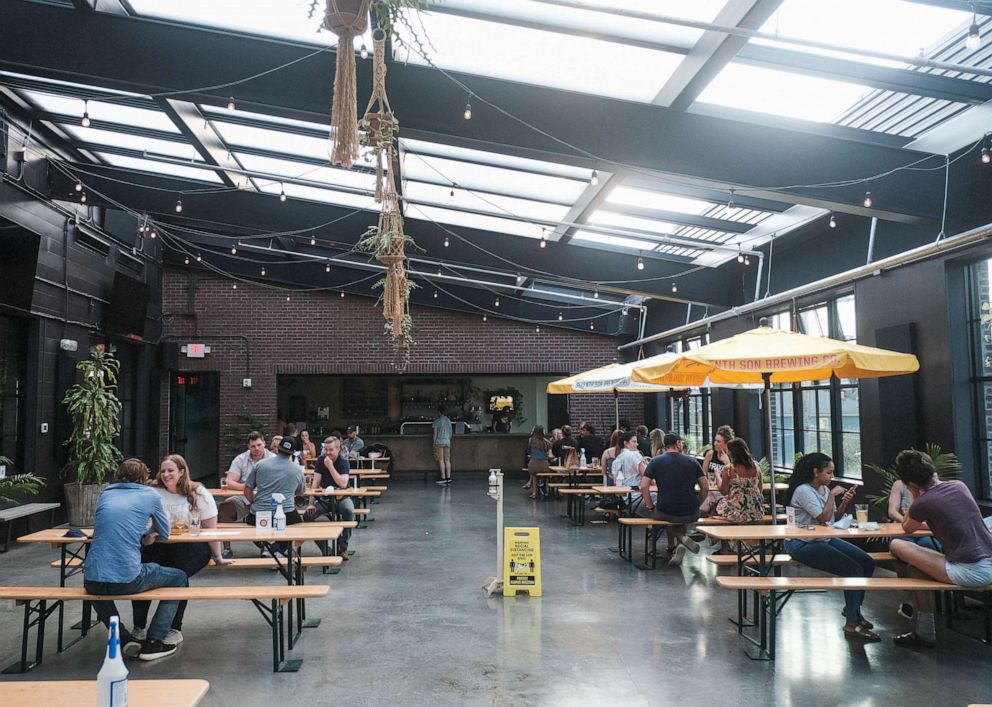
(353, 444)
(235, 508)
(276, 475)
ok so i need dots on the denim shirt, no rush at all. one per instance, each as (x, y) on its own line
(122, 519)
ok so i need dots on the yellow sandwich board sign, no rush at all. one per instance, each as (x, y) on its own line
(522, 561)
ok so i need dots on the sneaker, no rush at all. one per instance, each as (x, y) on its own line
(677, 556)
(153, 650)
(907, 611)
(441, 482)
(173, 638)
(131, 644)
(690, 544)
(227, 554)
(139, 633)
(699, 537)
(267, 553)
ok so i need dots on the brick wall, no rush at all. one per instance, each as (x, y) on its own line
(320, 333)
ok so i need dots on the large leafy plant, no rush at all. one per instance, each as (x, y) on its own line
(96, 419)
(946, 463)
(13, 486)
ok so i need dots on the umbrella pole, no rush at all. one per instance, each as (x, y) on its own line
(616, 409)
(766, 403)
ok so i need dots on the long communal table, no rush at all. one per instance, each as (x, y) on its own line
(74, 550)
(757, 545)
(82, 693)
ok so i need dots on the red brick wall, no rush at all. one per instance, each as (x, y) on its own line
(325, 334)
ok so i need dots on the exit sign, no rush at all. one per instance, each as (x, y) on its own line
(196, 350)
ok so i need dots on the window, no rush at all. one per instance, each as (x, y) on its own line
(691, 413)
(980, 323)
(13, 362)
(818, 416)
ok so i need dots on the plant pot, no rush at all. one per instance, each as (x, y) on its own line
(347, 16)
(80, 503)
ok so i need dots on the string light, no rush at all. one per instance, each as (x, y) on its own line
(986, 155)
(179, 205)
(198, 258)
(152, 234)
(263, 271)
(640, 263)
(675, 287)
(364, 51)
(740, 254)
(234, 286)
(497, 301)
(234, 250)
(544, 238)
(327, 268)
(538, 328)
(485, 318)
(833, 221)
(231, 104)
(446, 243)
(974, 38)
(595, 294)
(594, 178)
(79, 186)
(342, 294)
(313, 241)
(287, 298)
(186, 260)
(435, 294)
(730, 202)
(282, 192)
(591, 326)
(468, 108)
(560, 317)
(747, 259)
(868, 200)
(82, 198)
(85, 122)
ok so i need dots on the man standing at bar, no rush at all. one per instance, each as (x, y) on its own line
(441, 430)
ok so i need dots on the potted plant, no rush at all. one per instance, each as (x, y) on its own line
(946, 463)
(96, 423)
(12, 486)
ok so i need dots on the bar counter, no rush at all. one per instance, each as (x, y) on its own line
(469, 452)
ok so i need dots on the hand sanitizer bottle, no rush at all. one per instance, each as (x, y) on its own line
(278, 514)
(111, 681)
(582, 457)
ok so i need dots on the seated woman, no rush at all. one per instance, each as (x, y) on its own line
(538, 451)
(609, 454)
(309, 448)
(563, 447)
(950, 511)
(809, 493)
(715, 462)
(181, 498)
(740, 486)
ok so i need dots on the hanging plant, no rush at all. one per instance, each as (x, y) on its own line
(390, 15)
(347, 19)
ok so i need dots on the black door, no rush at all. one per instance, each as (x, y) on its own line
(194, 424)
(557, 411)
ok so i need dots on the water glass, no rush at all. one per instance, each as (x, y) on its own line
(861, 514)
(223, 481)
(194, 524)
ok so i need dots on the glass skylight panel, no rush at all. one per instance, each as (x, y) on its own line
(644, 198)
(605, 22)
(65, 84)
(161, 168)
(467, 220)
(298, 170)
(737, 214)
(237, 135)
(495, 159)
(704, 234)
(496, 205)
(102, 111)
(603, 217)
(781, 93)
(492, 179)
(325, 196)
(140, 143)
(543, 58)
(222, 113)
(886, 26)
(285, 19)
(618, 241)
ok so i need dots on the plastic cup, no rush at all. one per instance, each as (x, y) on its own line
(790, 515)
(194, 524)
(861, 514)
(223, 481)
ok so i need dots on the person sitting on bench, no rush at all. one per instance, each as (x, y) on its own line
(676, 475)
(810, 494)
(331, 471)
(628, 468)
(950, 511)
(113, 564)
(276, 475)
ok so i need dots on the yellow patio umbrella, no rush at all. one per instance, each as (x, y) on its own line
(774, 356)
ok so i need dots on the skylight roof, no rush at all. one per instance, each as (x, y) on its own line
(610, 240)
(331, 176)
(160, 168)
(644, 198)
(128, 141)
(221, 113)
(543, 58)
(102, 111)
(494, 159)
(237, 135)
(326, 196)
(468, 220)
(496, 205)
(613, 218)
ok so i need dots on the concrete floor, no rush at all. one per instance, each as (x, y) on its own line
(406, 623)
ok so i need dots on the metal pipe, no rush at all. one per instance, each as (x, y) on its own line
(754, 34)
(962, 240)
(871, 240)
(757, 279)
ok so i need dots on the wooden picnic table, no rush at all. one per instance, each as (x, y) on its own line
(757, 545)
(82, 693)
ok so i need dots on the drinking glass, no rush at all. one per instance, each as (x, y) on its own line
(861, 514)
(223, 481)
(194, 524)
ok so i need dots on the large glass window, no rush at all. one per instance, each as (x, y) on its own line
(692, 413)
(818, 416)
(980, 323)
(13, 362)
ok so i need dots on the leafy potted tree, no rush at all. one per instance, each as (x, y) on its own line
(96, 423)
(12, 486)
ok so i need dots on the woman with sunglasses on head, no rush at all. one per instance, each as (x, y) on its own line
(715, 463)
(815, 503)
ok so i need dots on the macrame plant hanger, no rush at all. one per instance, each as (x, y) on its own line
(380, 129)
(347, 19)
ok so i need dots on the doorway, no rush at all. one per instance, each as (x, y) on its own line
(194, 421)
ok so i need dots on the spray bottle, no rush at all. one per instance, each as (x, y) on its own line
(111, 681)
(278, 514)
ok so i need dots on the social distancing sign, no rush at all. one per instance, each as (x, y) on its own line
(522, 561)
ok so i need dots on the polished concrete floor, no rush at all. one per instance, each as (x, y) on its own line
(406, 623)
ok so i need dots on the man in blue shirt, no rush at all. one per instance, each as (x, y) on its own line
(113, 564)
(331, 472)
(441, 429)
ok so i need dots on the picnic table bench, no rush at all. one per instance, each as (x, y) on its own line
(82, 693)
(8, 515)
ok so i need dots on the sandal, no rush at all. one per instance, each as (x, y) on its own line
(532, 496)
(862, 621)
(862, 633)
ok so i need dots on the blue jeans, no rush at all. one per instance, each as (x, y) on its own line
(343, 507)
(151, 576)
(838, 557)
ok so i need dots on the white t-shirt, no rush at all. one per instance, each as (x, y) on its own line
(177, 507)
(625, 467)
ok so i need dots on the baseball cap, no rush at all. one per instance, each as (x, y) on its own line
(352, 428)
(287, 446)
(671, 438)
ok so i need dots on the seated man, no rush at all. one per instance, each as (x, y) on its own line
(331, 471)
(276, 475)
(353, 444)
(235, 509)
(113, 563)
(676, 475)
(950, 511)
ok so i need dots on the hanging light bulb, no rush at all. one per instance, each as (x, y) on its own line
(740, 255)
(833, 221)
(234, 250)
(446, 243)
(186, 260)
(231, 104)
(327, 268)
(595, 294)
(282, 192)
(538, 328)
(179, 205)
(313, 241)
(594, 178)
(364, 51)
(85, 122)
(82, 198)
(560, 317)
(868, 201)
(747, 259)
(342, 294)
(435, 294)
(141, 228)
(234, 286)
(485, 318)
(974, 38)
(986, 156)
(287, 298)
(79, 186)
(263, 271)
(152, 234)
(468, 109)
(451, 194)
(730, 202)
(198, 258)
(640, 263)
(675, 287)
(591, 326)
(497, 301)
